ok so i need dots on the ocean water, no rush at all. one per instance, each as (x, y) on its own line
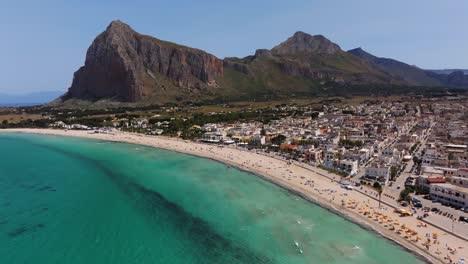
(69, 200)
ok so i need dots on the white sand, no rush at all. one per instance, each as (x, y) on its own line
(321, 189)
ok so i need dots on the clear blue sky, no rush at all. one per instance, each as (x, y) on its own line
(44, 42)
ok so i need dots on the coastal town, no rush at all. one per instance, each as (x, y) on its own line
(400, 148)
(296, 132)
(407, 157)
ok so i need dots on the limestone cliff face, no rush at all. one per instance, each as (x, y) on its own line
(124, 65)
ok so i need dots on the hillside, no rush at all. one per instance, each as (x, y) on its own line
(410, 74)
(123, 65)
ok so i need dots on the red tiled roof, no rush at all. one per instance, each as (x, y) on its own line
(288, 146)
(436, 180)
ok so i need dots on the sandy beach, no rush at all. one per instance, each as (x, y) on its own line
(431, 243)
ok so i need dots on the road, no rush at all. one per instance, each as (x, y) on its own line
(393, 190)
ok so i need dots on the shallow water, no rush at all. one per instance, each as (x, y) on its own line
(69, 200)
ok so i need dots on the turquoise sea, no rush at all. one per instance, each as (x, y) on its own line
(69, 200)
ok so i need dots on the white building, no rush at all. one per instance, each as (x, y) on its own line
(447, 193)
(378, 171)
(460, 178)
(349, 166)
(212, 137)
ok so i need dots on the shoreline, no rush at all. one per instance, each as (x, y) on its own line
(287, 176)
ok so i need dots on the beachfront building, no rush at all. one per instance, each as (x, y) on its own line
(361, 156)
(348, 166)
(212, 137)
(314, 155)
(449, 194)
(378, 171)
(423, 182)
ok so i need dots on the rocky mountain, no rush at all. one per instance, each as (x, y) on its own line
(303, 43)
(301, 65)
(410, 74)
(126, 66)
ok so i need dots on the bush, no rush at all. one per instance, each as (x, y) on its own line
(405, 194)
(377, 185)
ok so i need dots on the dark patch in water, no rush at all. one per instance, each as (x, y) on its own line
(18, 231)
(28, 186)
(46, 188)
(24, 230)
(213, 245)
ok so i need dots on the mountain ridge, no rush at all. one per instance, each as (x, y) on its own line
(124, 65)
(411, 74)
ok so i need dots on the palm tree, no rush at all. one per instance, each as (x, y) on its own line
(377, 186)
(380, 190)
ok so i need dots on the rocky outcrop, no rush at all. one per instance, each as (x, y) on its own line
(124, 65)
(303, 43)
(237, 66)
(318, 58)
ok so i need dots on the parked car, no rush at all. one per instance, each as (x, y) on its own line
(463, 219)
(434, 209)
(417, 205)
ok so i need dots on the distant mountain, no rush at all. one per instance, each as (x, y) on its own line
(456, 78)
(414, 75)
(448, 71)
(28, 99)
(410, 74)
(125, 66)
